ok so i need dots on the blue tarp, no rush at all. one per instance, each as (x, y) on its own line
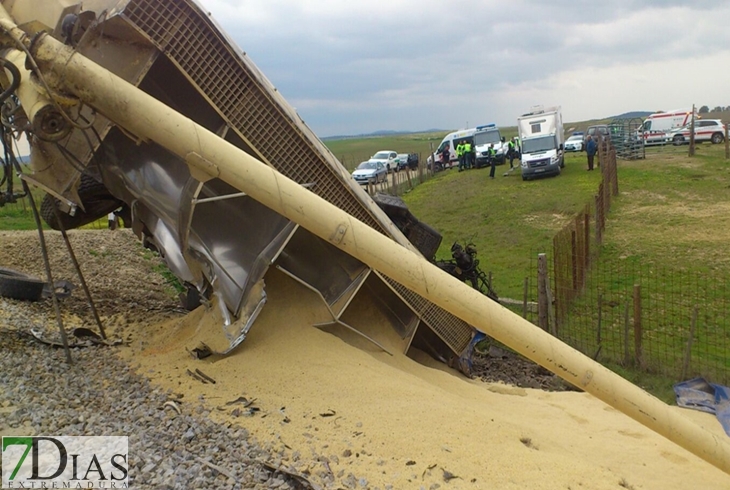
(708, 397)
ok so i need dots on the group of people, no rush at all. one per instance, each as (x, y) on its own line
(467, 157)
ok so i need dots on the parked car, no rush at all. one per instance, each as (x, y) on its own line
(598, 129)
(705, 130)
(388, 158)
(409, 160)
(575, 142)
(370, 172)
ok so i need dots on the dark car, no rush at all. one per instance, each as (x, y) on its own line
(599, 129)
(409, 160)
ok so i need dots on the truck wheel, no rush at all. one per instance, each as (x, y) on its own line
(96, 199)
(21, 286)
(717, 138)
(678, 140)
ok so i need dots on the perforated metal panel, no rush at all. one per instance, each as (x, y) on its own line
(251, 107)
(239, 95)
(455, 332)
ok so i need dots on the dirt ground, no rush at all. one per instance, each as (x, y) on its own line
(338, 406)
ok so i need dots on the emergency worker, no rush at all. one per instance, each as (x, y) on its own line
(460, 155)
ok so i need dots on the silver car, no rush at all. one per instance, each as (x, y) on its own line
(370, 172)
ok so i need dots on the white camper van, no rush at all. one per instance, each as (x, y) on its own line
(541, 138)
(453, 140)
(655, 128)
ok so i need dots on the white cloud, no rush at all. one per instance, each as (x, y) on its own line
(360, 66)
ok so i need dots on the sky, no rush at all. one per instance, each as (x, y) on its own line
(357, 66)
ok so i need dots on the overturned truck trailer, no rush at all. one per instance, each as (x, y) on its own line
(187, 156)
(213, 237)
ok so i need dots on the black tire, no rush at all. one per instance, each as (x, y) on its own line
(96, 199)
(678, 140)
(14, 284)
(717, 138)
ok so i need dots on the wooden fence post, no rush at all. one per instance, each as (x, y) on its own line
(638, 348)
(542, 299)
(690, 340)
(727, 142)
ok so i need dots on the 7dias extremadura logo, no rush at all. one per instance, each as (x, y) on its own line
(65, 462)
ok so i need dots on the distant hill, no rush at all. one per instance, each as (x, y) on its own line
(581, 124)
(633, 115)
(382, 132)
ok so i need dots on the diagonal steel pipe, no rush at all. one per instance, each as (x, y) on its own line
(211, 157)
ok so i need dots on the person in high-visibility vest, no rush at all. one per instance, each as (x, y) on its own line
(460, 155)
(467, 154)
(511, 152)
(492, 158)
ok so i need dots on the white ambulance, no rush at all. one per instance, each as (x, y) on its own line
(655, 128)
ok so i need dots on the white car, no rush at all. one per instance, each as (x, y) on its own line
(574, 143)
(370, 172)
(388, 158)
(705, 130)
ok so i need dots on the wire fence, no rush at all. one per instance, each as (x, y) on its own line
(647, 316)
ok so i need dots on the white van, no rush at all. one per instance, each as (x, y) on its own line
(541, 138)
(453, 140)
(655, 128)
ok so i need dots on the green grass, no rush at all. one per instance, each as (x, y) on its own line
(509, 220)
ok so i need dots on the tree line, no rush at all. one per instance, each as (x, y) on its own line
(705, 109)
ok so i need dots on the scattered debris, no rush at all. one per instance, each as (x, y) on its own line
(196, 376)
(328, 413)
(172, 405)
(448, 476)
(528, 442)
(623, 483)
(201, 352)
(78, 337)
(242, 399)
(410, 462)
(204, 376)
(427, 470)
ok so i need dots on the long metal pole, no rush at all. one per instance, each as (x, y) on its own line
(211, 157)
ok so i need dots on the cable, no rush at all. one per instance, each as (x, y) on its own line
(77, 165)
(14, 83)
(42, 79)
